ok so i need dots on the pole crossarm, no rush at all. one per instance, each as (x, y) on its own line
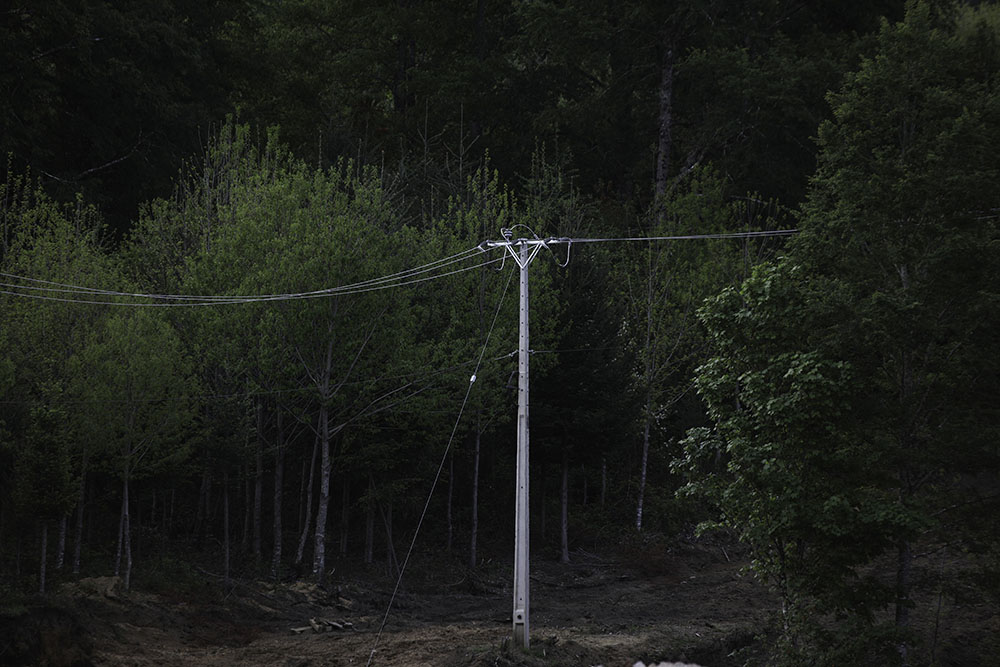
(534, 245)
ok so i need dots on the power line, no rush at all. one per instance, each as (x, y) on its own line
(682, 237)
(78, 289)
(368, 286)
(43, 290)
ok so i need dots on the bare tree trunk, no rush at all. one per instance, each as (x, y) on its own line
(475, 124)
(541, 492)
(61, 549)
(44, 558)
(583, 472)
(170, 519)
(564, 514)
(904, 584)
(650, 368)
(476, 448)
(127, 532)
(258, 486)
(201, 516)
(279, 475)
(392, 563)
(81, 501)
(307, 523)
(247, 509)
(319, 546)
(451, 494)
(121, 539)
(370, 525)
(666, 119)
(604, 479)
(225, 524)
(642, 471)
(302, 496)
(345, 514)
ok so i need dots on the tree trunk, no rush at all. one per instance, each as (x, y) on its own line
(258, 485)
(307, 524)
(127, 532)
(61, 549)
(121, 539)
(345, 514)
(201, 515)
(604, 479)
(473, 555)
(247, 509)
(904, 584)
(392, 563)
(225, 525)
(564, 512)
(642, 471)
(650, 370)
(479, 37)
(666, 119)
(170, 517)
(81, 502)
(451, 494)
(541, 492)
(370, 527)
(583, 473)
(44, 558)
(279, 475)
(319, 546)
(302, 496)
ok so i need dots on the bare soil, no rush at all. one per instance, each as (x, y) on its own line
(686, 603)
(691, 605)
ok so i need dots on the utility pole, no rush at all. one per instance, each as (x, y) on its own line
(522, 635)
(527, 249)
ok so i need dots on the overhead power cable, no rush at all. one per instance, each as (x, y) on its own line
(401, 279)
(78, 289)
(47, 290)
(682, 237)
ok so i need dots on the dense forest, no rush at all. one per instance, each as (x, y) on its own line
(244, 290)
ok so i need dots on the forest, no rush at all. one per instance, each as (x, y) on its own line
(251, 327)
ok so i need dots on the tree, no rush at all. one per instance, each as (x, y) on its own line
(42, 240)
(134, 371)
(847, 382)
(92, 90)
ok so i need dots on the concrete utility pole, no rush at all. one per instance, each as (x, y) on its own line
(527, 250)
(522, 635)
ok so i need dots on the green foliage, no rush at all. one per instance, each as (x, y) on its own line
(45, 241)
(846, 380)
(135, 373)
(42, 468)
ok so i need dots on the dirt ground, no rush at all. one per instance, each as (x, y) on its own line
(690, 606)
(686, 603)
